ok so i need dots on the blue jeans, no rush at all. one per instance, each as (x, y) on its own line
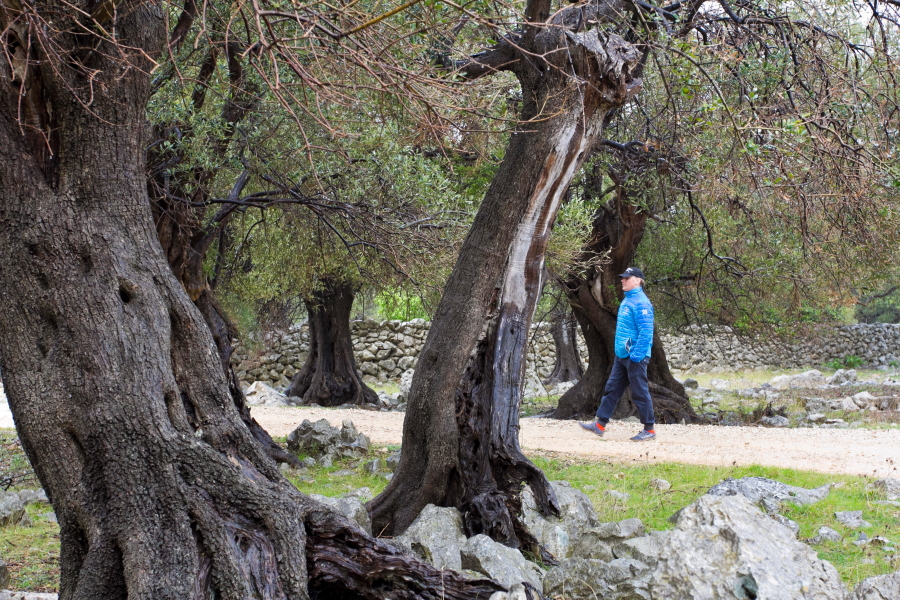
(626, 372)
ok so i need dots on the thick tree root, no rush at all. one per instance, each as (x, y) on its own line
(344, 563)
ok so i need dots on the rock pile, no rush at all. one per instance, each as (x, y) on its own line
(324, 443)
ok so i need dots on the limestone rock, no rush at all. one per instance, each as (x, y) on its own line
(8, 595)
(842, 376)
(12, 511)
(790, 524)
(849, 405)
(322, 441)
(618, 496)
(808, 379)
(436, 537)
(504, 565)
(776, 421)
(864, 399)
(561, 388)
(33, 497)
(350, 507)
(516, 592)
(644, 549)
(691, 384)
(558, 534)
(852, 519)
(723, 547)
(533, 387)
(259, 394)
(406, 382)
(882, 587)
(826, 534)
(758, 488)
(619, 579)
(890, 486)
(600, 542)
(660, 484)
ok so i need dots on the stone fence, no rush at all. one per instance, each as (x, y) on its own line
(385, 350)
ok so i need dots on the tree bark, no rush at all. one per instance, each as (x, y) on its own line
(617, 230)
(460, 435)
(113, 377)
(564, 329)
(329, 376)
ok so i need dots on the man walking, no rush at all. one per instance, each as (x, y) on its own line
(634, 337)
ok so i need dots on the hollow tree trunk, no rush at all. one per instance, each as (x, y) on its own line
(617, 229)
(160, 490)
(329, 376)
(564, 329)
(460, 435)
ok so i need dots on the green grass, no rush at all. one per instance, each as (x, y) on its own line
(32, 553)
(689, 482)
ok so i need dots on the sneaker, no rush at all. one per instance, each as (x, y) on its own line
(644, 436)
(594, 427)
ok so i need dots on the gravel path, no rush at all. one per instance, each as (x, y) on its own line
(847, 451)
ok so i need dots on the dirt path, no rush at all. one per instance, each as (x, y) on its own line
(848, 451)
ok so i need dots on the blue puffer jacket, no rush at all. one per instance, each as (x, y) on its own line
(634, 327)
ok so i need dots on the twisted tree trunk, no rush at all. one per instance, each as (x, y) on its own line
(160, 490)
(460, 435)
(329, 376)
(564, 329)
(617, 229)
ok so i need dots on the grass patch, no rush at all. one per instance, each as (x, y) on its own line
(32, 553)
(689, 482)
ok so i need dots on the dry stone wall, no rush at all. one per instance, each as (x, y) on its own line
(713, 350)
(386, 349)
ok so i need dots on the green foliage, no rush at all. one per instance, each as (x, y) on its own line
(880, 310)
(848, 362)
(400, 305)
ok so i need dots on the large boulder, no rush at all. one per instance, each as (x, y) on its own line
(882, 587)
(504, 565)
(350, 507)
(558, 534)
(723, 547)
(322, 441)
(436, 537)
(577, 578)
(259, 394)
(761, 489)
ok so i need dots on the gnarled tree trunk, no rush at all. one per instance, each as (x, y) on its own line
(329, 376)
(564, 329)
(460, 435)
(617, 230)
(160, 490)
